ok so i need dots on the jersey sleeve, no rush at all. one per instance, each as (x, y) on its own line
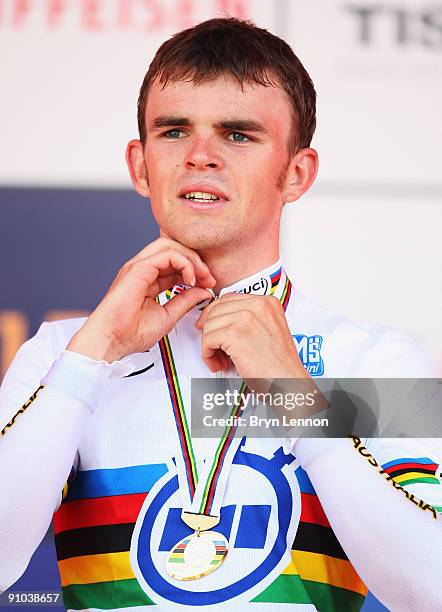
(23, 377)
(395, 355)
(46, 399)
(22, 381)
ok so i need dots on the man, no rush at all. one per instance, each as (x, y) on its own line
(226, 116)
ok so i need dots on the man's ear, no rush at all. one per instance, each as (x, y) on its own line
(137, 167)
(301, 173)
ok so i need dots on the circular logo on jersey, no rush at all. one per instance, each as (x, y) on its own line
(259, 518)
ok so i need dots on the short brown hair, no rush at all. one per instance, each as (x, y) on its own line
(234, 47)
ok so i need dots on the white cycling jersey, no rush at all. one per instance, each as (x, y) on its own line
(311, 523)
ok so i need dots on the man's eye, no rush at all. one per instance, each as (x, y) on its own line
(175, 133)
(238, 137)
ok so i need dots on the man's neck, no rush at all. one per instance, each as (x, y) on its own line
(228, 269)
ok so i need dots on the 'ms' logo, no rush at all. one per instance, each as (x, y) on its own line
(309, 350)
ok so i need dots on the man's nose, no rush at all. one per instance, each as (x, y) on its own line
(202, 154)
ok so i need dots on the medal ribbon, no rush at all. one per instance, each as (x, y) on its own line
(202, 497)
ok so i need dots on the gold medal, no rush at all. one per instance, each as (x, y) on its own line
(197, 555)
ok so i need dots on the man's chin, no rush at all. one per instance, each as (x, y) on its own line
(199, 239)
(201, 243)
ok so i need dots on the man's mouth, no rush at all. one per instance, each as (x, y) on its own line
(200, 196)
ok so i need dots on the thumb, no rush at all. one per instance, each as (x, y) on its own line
(180, 304)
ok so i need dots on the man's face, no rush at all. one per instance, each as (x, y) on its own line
(215, 140)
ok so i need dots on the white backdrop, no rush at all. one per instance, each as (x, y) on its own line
(365, 240)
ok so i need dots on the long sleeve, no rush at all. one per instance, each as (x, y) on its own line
(391, 537)
(44, 407)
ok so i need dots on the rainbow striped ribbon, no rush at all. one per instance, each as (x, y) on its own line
(201, 493)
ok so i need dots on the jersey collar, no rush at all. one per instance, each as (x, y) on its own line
(262, 282)
(268, 281)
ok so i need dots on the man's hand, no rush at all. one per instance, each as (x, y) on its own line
(128, 319)
(252, 332)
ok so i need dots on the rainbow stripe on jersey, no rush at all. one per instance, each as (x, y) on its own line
(320, 572)
(93, 529)
(412, 470)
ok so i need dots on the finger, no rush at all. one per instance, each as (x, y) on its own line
(234, 297)
(180, 304)
(206, 281)
(213, 346)
(219, 322)
(172, 262)
(146, 272)
(225, 306)
(219, 362)
(224, 360)
(166, 281)
(201, 268)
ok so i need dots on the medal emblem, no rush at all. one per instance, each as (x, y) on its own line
(197, 555)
